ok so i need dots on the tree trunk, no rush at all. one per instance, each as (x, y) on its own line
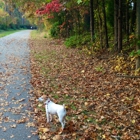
(120, 27)
(127, 20)
(100, 24)
(115, 25)
(133, 18)
(105, 26)
(91, 20)
(138, 33)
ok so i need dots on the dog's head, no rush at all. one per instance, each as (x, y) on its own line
(47, 101)
(42, 98)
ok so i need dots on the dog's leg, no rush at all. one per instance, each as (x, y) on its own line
(47, 115)
(50, 116)
(62, 121)
(48, 119)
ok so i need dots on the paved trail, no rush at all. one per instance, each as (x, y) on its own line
(15, 112)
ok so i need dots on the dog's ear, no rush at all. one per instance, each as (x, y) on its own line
(44, 97)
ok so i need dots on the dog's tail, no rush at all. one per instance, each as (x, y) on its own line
(65, 107)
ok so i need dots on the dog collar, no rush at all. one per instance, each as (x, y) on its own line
(47, 103)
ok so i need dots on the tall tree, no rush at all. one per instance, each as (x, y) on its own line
(115, 25)
(133, 16)
(127, 20)
(105, 25)
(138, 33)
(91, 20)
(120, 26)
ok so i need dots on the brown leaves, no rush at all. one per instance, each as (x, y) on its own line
(22, 120)
(99, 104)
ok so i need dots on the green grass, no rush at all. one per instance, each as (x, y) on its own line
(35, 34)
(5, 33)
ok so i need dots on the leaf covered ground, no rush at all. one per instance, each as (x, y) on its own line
(100, 105)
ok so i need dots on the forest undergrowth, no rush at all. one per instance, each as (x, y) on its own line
(100, 104)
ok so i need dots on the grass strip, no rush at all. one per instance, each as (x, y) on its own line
(5, 33)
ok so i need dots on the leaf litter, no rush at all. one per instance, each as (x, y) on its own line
(100, 105)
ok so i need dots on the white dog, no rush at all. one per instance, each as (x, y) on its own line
(52, 108)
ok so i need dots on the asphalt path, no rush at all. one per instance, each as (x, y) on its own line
(16, 120)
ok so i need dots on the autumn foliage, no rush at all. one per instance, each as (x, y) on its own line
(100, 104)
(53, 7)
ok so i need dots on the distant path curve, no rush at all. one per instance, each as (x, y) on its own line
(16, 122)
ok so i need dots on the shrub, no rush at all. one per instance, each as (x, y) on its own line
(72, 41)
(12, 26)
(54, 31)
(76, 41)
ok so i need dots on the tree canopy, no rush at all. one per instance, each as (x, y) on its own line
(94, 24)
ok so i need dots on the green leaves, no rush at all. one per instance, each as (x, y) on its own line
(79, 1)
(135, 53)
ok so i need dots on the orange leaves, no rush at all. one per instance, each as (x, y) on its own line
(99, 104)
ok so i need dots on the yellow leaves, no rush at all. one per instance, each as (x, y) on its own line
(86, 103)
(83, 71)
(40, 105)
(3, 13)
(124, 65)
(66, 107)
(43, 130)
(133, 121)
(137, 72)
(86, 50)
(43, 137)
(103, 136)
(132, 59)
(108, 94)
(120, 62)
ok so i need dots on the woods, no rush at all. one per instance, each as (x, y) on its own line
(91, 24)
(11, 17)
